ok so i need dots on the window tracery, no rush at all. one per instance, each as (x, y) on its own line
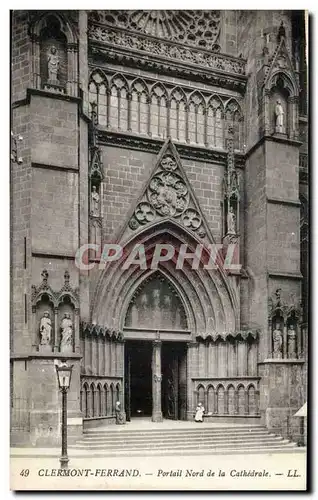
(159, 110)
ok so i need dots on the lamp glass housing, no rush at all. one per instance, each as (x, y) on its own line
(64, 373)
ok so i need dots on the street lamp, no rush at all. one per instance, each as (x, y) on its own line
(64, 373)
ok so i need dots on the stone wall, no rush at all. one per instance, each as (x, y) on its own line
(126, 174)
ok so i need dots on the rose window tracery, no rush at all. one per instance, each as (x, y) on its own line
(199, 28)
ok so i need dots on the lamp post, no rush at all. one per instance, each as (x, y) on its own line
(64, 373)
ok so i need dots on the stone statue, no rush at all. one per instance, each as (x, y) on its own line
(280, 117)
(231, 221)
(67, 332)
(95, 202)
(120, 416)
(45, 329)
(277, 342)
(53, 65)
(291, 342)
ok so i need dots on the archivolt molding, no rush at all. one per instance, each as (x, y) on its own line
(209, 300)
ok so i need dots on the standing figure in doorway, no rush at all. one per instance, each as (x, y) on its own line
(199, 412)
(120, 416)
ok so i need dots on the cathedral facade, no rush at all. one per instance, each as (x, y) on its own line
(144, 144)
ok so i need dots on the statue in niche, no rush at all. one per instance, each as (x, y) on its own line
(280, 117)
(67, 332)
(53, 65)
(277, 342)
(45, 329)
(95, 202)
(231, 221)
(291, 342)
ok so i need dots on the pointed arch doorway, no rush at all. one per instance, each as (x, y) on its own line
(156, 333)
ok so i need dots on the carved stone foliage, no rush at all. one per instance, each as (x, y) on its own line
(284, 319)
(156, 304)
(168, 195)
(54, 315)
(199, 46)
(91, 329)
(150, 108)
(192, 27)
(240, 335)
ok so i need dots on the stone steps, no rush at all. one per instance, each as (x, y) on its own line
(183, 440)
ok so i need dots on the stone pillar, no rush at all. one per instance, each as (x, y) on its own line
(191, 372)
(156, 381)
(285, 350)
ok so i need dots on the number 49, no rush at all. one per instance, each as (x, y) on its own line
(24, 472)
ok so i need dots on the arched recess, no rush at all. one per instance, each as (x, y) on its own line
(281, 85)
(178, 115)
(215, 122)
(56, 29)
(233, 118)
(158, 111)
(208, 298)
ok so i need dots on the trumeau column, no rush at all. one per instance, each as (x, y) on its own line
(113, 358)
(156, 381)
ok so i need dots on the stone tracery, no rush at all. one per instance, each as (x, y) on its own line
(192, 27)
(160, 110)
(167, 195)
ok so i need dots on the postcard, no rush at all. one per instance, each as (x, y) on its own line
(159, 250)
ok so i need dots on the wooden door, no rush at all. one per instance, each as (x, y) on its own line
(128, 386)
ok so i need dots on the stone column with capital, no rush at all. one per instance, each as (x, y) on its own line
(156, 381)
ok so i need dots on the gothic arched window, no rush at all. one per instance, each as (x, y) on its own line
(178, 118)
(215, 135)
(158, 112)
(233, 117)
(196, 119)
(97, 94)
(139, 107)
